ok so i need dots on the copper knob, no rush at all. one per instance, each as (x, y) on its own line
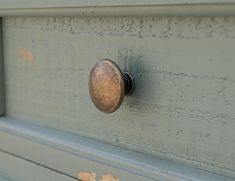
(108, 85)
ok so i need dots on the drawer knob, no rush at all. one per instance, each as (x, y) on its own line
(108, 85)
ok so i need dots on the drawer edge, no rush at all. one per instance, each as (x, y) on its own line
(185, 9)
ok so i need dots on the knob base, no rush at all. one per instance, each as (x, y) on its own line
(129, 83)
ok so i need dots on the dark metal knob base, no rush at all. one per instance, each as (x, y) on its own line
(129, 83)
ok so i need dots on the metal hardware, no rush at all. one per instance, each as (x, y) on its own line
(108, 85)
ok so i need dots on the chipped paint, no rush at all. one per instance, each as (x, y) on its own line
(109, 177)
(87, 176)
(26, 55)
(91, 176)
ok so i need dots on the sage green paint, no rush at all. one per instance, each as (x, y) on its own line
(117, 8)
(2, 107)
(4, 179)
(125, 9)
(17, 169)
(183, 106)
(13, 4)
(72, 154)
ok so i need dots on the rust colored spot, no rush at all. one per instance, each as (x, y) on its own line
(26, 54)
(87, 176)
(109, 177)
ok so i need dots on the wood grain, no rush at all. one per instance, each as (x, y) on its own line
(183, 105)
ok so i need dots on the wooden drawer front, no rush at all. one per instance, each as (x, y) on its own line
(183, 105)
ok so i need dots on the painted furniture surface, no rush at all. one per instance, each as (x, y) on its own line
(2, 101)
(178, 124)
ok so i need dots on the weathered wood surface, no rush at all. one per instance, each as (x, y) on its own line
(183, 106)
(15, 169)
(77, 156)
(2, 110)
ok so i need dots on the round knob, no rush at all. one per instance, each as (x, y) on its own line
(108, 85)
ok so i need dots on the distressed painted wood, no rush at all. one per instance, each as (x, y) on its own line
(155, 10)
(74, 155)
(2, 107)
(84, 3)
(117, 8)
(183, 106)
(17, 169)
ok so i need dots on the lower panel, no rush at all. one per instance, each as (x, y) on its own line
(79, 157)
(4, 179)
(16, 169)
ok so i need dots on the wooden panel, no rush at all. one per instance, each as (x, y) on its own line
(183, 106)
(71, 155)
(20, 170)
(2, 110)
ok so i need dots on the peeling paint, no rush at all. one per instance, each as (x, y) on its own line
(109, 177)
(91, 176)
(87, 176)
(26, 55)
